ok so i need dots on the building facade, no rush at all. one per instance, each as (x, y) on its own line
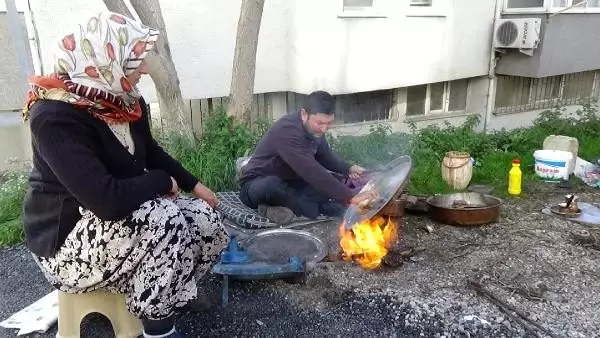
(396, 61)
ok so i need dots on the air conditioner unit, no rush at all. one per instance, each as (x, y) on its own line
(517, 33)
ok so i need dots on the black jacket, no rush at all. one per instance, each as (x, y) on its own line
(77, 161)
(289, 152)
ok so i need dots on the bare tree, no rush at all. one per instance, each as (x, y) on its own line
(162, 68)
(244, 60)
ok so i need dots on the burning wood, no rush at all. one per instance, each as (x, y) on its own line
(368, 242)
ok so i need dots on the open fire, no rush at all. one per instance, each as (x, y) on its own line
(368, 242)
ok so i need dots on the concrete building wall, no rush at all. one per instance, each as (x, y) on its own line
(14, 140)
(306, 45)
(568, 45)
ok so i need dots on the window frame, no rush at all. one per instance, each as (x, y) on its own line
(374, 11)
(437, 8)
(421, 3)
(427, 111)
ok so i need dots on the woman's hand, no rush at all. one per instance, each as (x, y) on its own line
(203, 193)
(174, 190)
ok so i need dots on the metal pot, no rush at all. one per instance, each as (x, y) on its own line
(468, 209)
(394, 208)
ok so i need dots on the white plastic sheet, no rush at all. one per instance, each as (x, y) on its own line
(37, 317)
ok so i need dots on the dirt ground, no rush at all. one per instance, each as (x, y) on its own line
(533, 262)
(528, 261)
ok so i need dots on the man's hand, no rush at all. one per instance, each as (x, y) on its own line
(364, 199)
(356, 171)
(203, 193)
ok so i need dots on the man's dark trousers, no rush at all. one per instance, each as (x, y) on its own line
(296, 195)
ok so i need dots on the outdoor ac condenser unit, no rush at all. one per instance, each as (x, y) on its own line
(517, 33)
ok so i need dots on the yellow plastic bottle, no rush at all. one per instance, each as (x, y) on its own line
(514, 178)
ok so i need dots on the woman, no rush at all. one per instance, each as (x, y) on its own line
(102, 210)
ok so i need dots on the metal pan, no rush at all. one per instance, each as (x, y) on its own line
(278, 245)
(466, 209)
(386, 182)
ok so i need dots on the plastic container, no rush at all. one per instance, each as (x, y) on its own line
(566, 143)
(552, 165)
(514, 178)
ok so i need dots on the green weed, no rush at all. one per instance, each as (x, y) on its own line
(12, 191)
(212, 156)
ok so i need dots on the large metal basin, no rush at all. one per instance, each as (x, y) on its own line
(465, 209)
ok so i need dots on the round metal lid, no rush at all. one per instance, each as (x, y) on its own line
(278, 245)
(386, 182)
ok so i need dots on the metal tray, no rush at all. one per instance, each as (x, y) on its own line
(386, 182)
(278, 245)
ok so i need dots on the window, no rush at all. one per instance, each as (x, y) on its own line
(428, 8)
(421, 2)
(568, 3)
(578, 85)
(352, 108)
(575, 6)
(362, 107)
(353, 5)
(512, 91)
(437, 98)
(416, 100)
(363, 9)
(515, 94)
(525, 3)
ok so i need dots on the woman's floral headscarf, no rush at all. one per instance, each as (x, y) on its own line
(91, 65)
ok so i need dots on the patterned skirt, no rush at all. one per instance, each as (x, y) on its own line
(153, 256)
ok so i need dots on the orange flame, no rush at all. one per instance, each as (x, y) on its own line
(368, 241)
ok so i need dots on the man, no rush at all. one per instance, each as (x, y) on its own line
(290, 171)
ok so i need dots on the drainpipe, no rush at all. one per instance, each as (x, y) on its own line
(489, 106)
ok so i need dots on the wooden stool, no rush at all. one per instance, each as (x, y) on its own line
(72, 308)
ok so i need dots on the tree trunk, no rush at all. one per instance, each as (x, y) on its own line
(118, 6)
(162, 68)
(244, 60)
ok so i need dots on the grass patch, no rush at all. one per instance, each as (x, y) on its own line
(211, 157)
(12, 191)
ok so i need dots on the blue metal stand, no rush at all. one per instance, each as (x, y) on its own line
(238, 264)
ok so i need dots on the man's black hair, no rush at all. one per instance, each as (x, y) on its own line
(319, 102)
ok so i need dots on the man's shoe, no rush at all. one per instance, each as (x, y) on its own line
(276, 214)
